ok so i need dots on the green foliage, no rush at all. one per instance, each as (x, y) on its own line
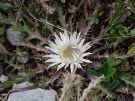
(2, 30)
(117, 29)
(108, 68)
(128, 79)
(6, 6)
(9, 62)
(95, 17)
(60, 13)
(131, 51)
(109, 71)
(63, 1)
(4, 19)
(114, 75)
(124, 66)
(8, 84)
(132, 32)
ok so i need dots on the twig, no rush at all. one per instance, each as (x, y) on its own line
(46, 22)
(18, 14)
(71, 17)
(38, 48)
(92, 84)
(27, 56)
(79, 5)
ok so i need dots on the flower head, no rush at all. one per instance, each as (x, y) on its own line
(68, 51)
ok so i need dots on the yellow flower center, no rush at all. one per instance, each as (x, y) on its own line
(70, 53)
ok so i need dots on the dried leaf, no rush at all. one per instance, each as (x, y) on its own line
(36, 35)
(72, 9)
(47, 7)
(3, 49)
(55, 77)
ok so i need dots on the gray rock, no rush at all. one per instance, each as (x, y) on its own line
(33, 95)
(3, 78)
(13, 36)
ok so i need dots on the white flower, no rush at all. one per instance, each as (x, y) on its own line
(69, 51)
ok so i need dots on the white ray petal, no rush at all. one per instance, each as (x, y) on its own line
(74, 36)
(85, 54)
(73, 39)
(72, 67)
(53, 45)
(78, 66)
(58, 41)
(52, 56)
(86, 44)
(55, 50)
(66, 36)
(67, 64)
(61, 36)
(75, 56)
(85, 60)
(57, 37)
(85, 49)
(65, 32)
(78, 37)
(81, 43)
(53, 64)
(60, 66)
(54, 60)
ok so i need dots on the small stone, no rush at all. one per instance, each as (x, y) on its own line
(22, 59)
(3, 78)
(21, 86)
(13, 36)
(23, 74)
(33, 95)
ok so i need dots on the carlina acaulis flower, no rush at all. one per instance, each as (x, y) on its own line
(68, 50)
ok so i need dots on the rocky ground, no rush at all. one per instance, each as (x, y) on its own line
(26, 26)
